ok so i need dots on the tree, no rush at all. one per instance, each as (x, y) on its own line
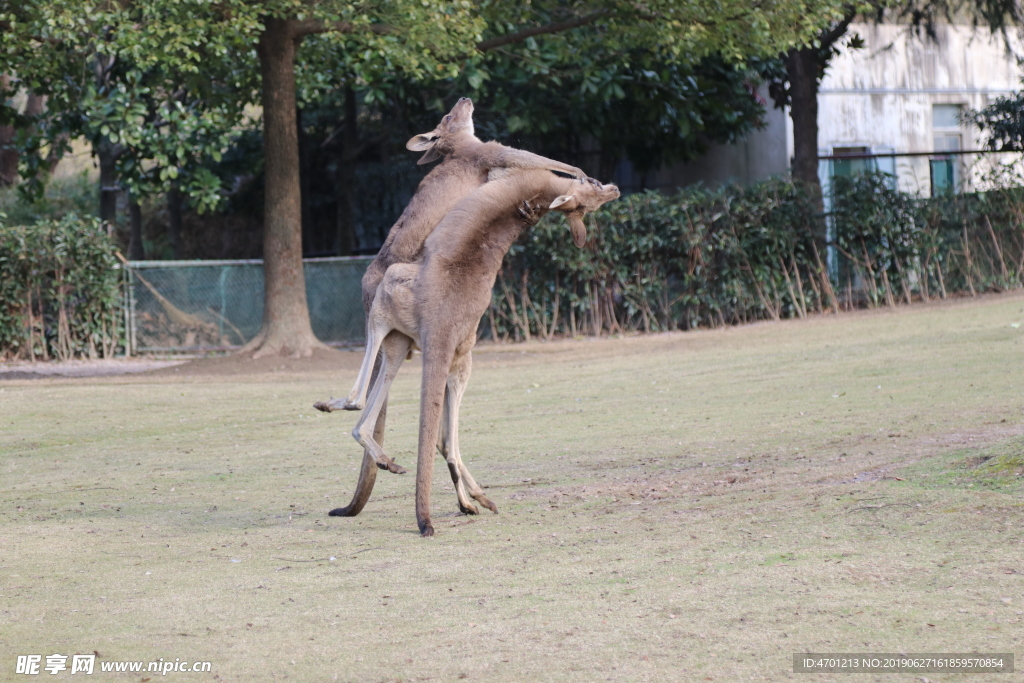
(797, 88)
(423, 38)
(680, 29)
(153, 117)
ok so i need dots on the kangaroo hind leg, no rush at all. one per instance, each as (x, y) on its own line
(457, 381)
(444, 446)
(394, 350)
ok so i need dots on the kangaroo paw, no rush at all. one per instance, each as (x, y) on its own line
(469, 509)
(530, 213)
(426, 529)
(351, 406)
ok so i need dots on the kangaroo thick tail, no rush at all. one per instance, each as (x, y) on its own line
(368, 472)
(364, 487)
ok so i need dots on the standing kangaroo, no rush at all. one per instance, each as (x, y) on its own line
(467, 163)
(438, 303)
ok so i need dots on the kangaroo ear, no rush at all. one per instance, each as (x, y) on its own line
(579, 231)
(419, 143)
(431, 155)
(566, 202)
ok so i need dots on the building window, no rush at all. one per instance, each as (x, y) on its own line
(946, 137)
(853, 166)
(863, 159)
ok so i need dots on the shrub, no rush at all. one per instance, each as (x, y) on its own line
(704, 257)
(59, 290)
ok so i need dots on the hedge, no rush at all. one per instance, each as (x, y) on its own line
(695, 258)
(60, 294)
(702, 257)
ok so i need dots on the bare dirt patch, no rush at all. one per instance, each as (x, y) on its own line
(240, 365)
(84, 368)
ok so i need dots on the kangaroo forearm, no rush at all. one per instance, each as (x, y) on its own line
(517, 158)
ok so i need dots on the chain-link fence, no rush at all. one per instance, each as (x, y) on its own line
(190, 306)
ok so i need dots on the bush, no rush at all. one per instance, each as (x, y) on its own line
(59, 290)
(656, 262)
(900, 246)
(705, 257)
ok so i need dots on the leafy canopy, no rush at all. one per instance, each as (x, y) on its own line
(167, 82)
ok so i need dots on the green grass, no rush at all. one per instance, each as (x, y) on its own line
(999, 467)
(673, 507)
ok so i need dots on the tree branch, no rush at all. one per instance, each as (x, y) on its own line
(556, 27)
(836, 32)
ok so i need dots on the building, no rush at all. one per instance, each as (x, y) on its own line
(899, 94)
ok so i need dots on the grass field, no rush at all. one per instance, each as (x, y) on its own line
(693, 506)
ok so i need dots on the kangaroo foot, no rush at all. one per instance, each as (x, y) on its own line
(486, 502)
(392, 466)
(331, 406)
(348, 405)
(426, 529)
(469, 509)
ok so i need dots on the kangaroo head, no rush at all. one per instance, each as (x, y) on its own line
(455, 126)
(587, 195)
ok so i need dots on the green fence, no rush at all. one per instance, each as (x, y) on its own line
(195, 306)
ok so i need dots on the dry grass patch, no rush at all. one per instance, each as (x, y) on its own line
(673, 507)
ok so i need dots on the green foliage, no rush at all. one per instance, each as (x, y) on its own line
(713, 257)
(901, 246)
(1001, 122)
(74, 194)
(59, 290)
(878, 231)
(641, 105)
(154, 86)
(657, 262)
(167, 81)
(685, 30)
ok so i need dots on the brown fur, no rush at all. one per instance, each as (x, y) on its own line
(467, 163)
(439, 301)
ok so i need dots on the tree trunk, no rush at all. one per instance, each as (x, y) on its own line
(802, 72)
(309, 241)
(346, 176)
(109, 190)
(8, 156)
(174, 220)
(805, 67)
(286, 328)
(136, 251)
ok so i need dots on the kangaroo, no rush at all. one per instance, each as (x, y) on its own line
(438, 302)
(467, 163)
